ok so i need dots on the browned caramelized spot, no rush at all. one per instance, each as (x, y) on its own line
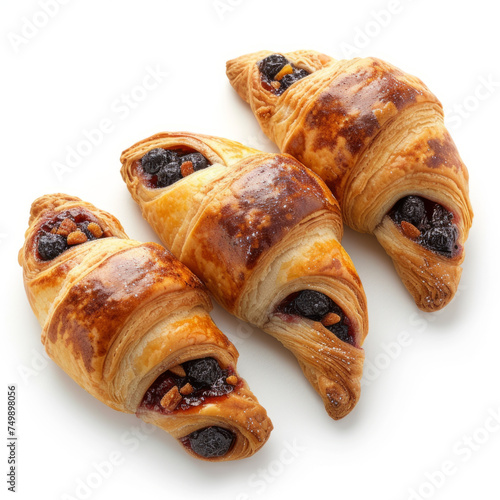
(95, 309)
(444, 153)
(343, 119)
(265, 204)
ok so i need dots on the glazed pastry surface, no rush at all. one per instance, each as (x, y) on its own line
(263, 233)
(376, 136)
(130, 323)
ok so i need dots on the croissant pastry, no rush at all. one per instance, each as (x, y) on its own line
(130, 324)
(376, 136)
(263, 233)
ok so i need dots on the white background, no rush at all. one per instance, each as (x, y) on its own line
(423, 404)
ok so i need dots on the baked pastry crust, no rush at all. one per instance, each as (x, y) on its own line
(256, 228)
(375, 134)
(116, 313)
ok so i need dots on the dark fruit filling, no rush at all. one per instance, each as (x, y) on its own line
(291, 78)
(316, 306)
(272, 65)
(169, 174)
(163, 167)
(197, 159)
(68, 229)
(441, 239)
(189, 384)
(426, 222)
(51, 245)
(157, 158)
(411, 209)
(203, 372)
(311, 304)
(210, 442)
(278, 73)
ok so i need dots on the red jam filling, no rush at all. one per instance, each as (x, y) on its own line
(66, 229)
(202, 380)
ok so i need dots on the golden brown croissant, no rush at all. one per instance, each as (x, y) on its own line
(130, 324)
(263, 233)
(376, 136)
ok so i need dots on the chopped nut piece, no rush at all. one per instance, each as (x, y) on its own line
(286, 70)
(410, 230)
(186, 389)
(95, 229)
(171, 399)
(77, 237)
(66, 227)
(330, 319)
(178, 370)
(275, 84)
(232, 380)
(187, 168)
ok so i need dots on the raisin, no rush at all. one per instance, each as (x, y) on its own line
(312, 304)
(83, 227)
(341, 331)
(291, 78)
(169, 174)
(211, 441)
(155, 159)
(301, 73)
(441, 239)
(272, 65)
(410, 209)
(203, 372)
(197, 159)
(51, 245)
(440, 216)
